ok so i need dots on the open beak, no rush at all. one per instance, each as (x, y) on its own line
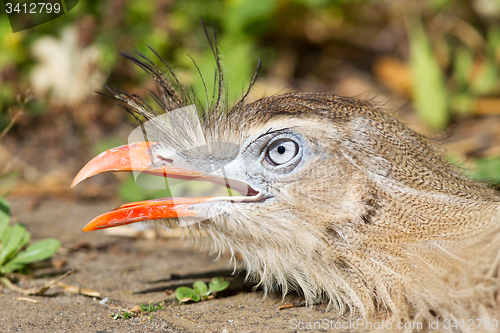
(143, 211)
(137, 157)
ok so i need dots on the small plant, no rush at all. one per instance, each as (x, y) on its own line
(151, 307)
(123, 315)
(14, 238)
(127, 315)
(200, 291)
(137, 310)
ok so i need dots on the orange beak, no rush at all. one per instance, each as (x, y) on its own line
(137, 157)
(133, 157)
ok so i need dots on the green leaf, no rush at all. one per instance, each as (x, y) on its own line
(4, 206)
(486, 80)
(200, 288)
(4, 216)
(38, 251)
(218, 284)
(462, 65)
(185, 294)
(429, 91)
(10, 268)
(25, 240)
(12, 238)
(493, 41)
(461, 103)
(241, 14)
(487, 169)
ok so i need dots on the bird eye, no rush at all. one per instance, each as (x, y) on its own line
(281, 151)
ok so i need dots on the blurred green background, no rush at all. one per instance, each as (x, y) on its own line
(443, 56)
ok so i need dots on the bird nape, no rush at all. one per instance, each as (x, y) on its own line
(340, 201)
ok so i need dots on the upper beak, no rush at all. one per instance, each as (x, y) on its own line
(137, 157)
(133, 157)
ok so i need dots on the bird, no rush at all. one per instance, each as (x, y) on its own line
(339, 201)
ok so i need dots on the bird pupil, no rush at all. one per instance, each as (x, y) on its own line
(281, 150)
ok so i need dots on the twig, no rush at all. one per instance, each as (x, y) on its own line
(292, 305)
(35, 290)
(26, 299)
(79, 290)
(13, 120)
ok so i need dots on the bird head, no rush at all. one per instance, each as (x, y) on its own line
(338, 199)
(298, 188)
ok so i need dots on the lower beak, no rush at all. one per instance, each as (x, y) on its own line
(137, 157)
(143, 211)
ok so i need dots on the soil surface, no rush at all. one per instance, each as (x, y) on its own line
(130, 271)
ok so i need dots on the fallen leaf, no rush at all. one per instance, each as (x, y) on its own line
(33, 291)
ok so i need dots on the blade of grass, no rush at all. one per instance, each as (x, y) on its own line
(429, 91)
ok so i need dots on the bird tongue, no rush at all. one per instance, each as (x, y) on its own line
(137, 157)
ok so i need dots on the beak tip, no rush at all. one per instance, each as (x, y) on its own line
(81, 176)
(88, 227)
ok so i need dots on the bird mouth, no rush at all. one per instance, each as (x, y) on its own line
(138, 157)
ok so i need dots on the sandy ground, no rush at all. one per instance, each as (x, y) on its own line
(130, 272)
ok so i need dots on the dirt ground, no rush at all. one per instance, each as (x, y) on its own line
(129, 272)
